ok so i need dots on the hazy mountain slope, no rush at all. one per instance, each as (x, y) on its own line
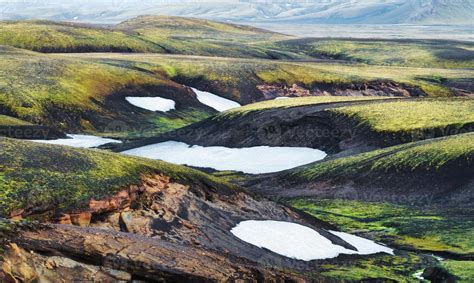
(145, 34)
(318, 11)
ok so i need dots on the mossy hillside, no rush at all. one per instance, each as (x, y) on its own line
(385, 268)
(45, 36)
(427, 155)
(412, 53)
(291, 102)
(146, 34)
(410, 116)
(76, 95)
(317, 74)
(39, 176)
(192, 36)
(423, 228)
(194, 27)
(463, 270)
(237, 78)
(11, 121)
(177, 35)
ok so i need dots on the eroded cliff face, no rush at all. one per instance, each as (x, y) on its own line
(374, 88)
(159, 230)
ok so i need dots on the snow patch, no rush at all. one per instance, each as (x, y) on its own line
(300, 242)
(152, 103)
(419, 275)
(364, 246)
(253, 160)
(84, 141)
(214, 101)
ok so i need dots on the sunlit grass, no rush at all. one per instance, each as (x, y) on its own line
(67, 37)
(11, 121)
(414, 53)
(292, 102)
(463, 270)
(404, 116)
(424, 155)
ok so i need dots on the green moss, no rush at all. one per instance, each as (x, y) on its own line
(11, 121)
(431, 229)
(47, 36)
(235, 78)
(408, 116)
(44, 176)
(74, 95)
(396, 268)
(425, 155)
(147, 34)
(163, 123)
(416, 53)
(291, 102)
(464, 270)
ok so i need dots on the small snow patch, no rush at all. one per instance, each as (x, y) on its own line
(419, 275)
(253, 160)
(300, 242)
(283, 97)
(214, 101)
(84, 141)
(364, 246)
(152, 103)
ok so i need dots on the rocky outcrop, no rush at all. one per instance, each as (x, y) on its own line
(373, 88)
(159, 230)
(18, 265)
(115, 255)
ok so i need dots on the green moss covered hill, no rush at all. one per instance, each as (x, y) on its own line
(68, 177)
(146, 34)
(244, 80)
(428, 155)
(78, 96)
(414, 53)
(191, 36)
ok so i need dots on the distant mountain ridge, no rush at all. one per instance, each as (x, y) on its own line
(450, 12)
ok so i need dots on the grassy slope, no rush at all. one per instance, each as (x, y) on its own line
(290, 102)
(193, 36)
(148, 34)
(37, 175)
(11, 121)
(163, 34)
(464, 270)
(47, 36)
(236, 78)
(424, 155)
(72, 94)
(414, 53)
(381, 268)
(408, 116)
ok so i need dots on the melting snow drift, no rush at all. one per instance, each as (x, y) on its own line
(152, 103)
(300, 242)
(80, 141)
(214, 101)
(253, 160)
